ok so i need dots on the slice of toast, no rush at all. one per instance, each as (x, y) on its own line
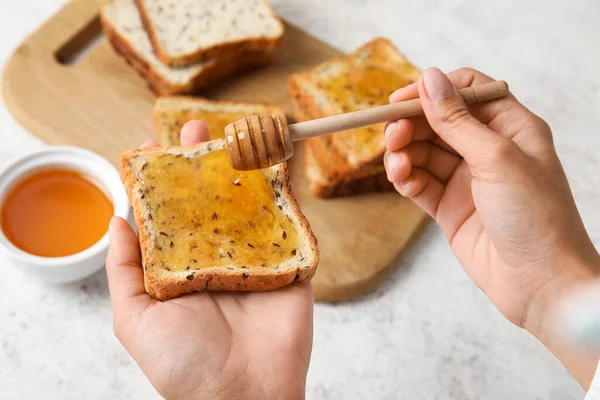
(171, 113)
(321, 160)
(184, 32)
(123, 28)
(359, 80)
(205, 226)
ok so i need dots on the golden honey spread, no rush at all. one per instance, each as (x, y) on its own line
(207, 214)
(363, 85)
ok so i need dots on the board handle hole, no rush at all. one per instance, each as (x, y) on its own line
(80, 44)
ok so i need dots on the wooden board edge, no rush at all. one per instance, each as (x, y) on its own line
(344, 293)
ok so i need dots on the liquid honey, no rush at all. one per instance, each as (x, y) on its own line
(55, 213)
(364, 84)
(207, 214)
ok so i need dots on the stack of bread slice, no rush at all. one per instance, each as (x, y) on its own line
(180, 46)
(349, 162)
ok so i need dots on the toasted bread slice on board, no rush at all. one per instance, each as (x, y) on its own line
(362, 79)
(171, 113)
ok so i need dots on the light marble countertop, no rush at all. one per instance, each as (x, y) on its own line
(427, 333)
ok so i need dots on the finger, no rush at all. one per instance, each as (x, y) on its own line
(420, 130)
(402, 132)
(450, 118)
(423, 189)
(438, 162)
(504, 115)
(398, 134)
(406, 93)
(485, 112)
(149, 144)
(457, 204)
(194, 132)
(123, 264)
(397, 166)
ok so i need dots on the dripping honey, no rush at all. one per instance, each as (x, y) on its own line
(55, 213)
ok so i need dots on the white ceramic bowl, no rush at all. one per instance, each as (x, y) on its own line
(80, 265)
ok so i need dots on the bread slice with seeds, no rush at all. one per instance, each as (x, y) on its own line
(184, 32)
(362, 79)
(171, 113)
(123, 28)
(204, 226)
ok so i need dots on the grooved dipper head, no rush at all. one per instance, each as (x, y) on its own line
(258, 141)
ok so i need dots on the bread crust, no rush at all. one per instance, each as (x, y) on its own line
(225, 49)
(165, 285)
(213, 72)
(368, 184)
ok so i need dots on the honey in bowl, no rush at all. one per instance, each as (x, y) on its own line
(55, 213)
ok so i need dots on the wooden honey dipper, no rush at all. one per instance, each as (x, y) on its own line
(261, 141)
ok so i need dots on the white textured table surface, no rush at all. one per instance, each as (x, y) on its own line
(428, 333)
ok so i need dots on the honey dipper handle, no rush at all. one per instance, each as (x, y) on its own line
(390, 112)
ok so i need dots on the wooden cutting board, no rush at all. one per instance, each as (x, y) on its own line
(99, 103)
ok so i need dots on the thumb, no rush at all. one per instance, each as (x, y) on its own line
(450, 118)
(123, 264)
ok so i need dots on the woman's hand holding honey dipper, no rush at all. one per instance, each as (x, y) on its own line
(490, 177)
(261, 141)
